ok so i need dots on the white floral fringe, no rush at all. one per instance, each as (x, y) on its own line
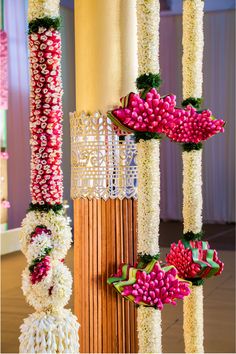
(193, 42)
(148, 19)
(44, 332)
(193, 321)
(43, 8)
(148, 160)
(149, 330)
(192, 190)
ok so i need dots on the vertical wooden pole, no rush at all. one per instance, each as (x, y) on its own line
(104, 231)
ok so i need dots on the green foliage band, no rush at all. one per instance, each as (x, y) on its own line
(45, 207)
(191, 236)
(192, 146)
(195, 102)
(146, 136)
(45, 22)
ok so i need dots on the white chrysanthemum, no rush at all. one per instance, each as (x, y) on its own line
(193, 321)
(192, 191)
(52, 292)
(37, 247)
(193, 42)
(148, 19)
(56, 332)
(43, 8)
(149, 330)
(148, 159)
(58, 225)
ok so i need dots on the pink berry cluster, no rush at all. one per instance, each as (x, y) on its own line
(159, 115)
(45, 117)
(157, 288)
(194, 260)
(39, 230)
(40, 270)
(189, 126)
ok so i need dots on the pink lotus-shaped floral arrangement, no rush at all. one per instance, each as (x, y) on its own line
(150, 286)
(194, 259)
(193, 127)
(156, 114)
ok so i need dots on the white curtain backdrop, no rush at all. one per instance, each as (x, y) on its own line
(219, 92)
(219, 96)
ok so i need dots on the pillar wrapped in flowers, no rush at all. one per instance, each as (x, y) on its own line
(192, 257)
(147, 115)
(46, 235)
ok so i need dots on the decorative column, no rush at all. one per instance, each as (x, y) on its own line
(46, 236)
(148, 284)
(193, 42)
(104, 172)
(148, 157)
(193, 257)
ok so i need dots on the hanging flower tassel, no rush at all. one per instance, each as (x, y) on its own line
(44, 332)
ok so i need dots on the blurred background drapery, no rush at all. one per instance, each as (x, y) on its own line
(219, 92)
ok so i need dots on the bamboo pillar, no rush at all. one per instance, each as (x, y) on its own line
(104, 231)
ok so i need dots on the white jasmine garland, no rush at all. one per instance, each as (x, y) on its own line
(58, 281)
(37, 247)
(43, 8)
(193, 321)
(192, 190)
(55, 332)
(55, 222)
(193, 42)
(148, 19)
(149, 330)
(148, 160)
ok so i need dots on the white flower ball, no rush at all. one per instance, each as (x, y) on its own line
(59, 240)
(52, 292)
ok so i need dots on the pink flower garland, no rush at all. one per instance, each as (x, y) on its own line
(159, 115)
(46, 117)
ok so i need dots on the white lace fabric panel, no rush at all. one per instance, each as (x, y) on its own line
(103, 163)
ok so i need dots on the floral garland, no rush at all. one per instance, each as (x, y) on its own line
(46, 115)
(148, 20)
(148, 156)
(193, 258)
(193, 42)
(46, 235)
(192, 191)
(193, 321)
(150, 285)
(43, 8)
(44, 332)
